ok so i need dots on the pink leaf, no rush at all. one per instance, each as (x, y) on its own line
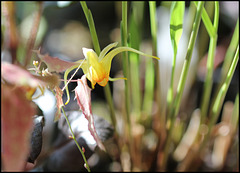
(59, 94)
(16, 75)
(54, 63)
(16, 125)
(83, 95)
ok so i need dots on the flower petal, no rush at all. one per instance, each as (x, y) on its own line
(95, 71)
(114, 79)
(107, 60)
(105, 50)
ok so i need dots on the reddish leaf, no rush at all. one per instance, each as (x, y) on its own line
(18, 76)
(83, 95)
(59, 94)
(54, 63)
(16, 116)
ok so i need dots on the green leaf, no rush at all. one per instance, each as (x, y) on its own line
(207, 22)
(176, 23)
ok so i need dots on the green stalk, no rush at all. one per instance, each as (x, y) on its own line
(125, 59)
(204, 36)
(210, 67)
(182, 80)
(155, 67)
(153, 23)
(149, 89)
(149, 74)
(230, 52)
(218, 102)
(97, 49)
(228, 58)
(73, 136)
(176, 27)
(235, 115)
(91, 25)
(170, 90)
(123, 27)
(135, 39)
(223, 90)
(184, 73)
(207, 22)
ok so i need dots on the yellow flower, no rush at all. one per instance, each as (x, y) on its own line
(97, 68)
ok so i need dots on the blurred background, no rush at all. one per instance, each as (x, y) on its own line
(63, 32)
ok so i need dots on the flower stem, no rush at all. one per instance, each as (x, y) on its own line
(149, 74)
(125, 58)
(123, 27)
(153, 23)
(97, 49)
(73, 136)
(210, 66)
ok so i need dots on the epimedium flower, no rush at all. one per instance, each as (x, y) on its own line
(97, 68)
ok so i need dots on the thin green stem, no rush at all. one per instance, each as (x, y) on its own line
(134, 40)
(91, 25)
(170, 90)
(73, 136)
(176, 27)
(149, 89)
(207, 22)
(182, 80)
(218, 102)
(230, 52)
(210, 67)
(125, 58)
(184, 73)
(153, 23)
(123, 28)
(149, 75)
(223, 90)
(108, 95)
(235, 115)
(160, 112)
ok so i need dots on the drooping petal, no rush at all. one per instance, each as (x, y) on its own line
(83, 95)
